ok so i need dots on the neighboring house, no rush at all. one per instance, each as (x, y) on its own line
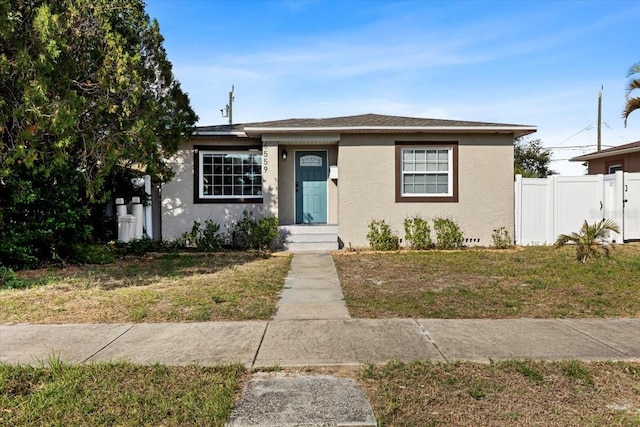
(624, 158)
(333, 176)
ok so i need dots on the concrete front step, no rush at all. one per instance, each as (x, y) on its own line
(311, 246)
(298, 238)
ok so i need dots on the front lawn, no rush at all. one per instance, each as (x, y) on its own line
(533, 282)
(160, 288)
(511, 393)
(117, 394)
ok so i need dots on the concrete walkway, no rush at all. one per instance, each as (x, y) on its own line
(312, 290)
(312, 327)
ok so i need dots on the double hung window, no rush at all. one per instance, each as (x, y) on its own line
(426, 173)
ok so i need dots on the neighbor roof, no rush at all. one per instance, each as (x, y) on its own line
(365, 123)
(632, 147)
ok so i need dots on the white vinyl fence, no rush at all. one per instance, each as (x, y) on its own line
(547, 207)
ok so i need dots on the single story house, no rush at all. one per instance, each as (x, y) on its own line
(326, 179)
(624, 158)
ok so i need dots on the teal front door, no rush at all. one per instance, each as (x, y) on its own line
(311, 187)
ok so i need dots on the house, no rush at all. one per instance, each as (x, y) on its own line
(326, 179)
(624, 158)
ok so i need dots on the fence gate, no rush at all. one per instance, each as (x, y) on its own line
(631, 206)
(546, 207)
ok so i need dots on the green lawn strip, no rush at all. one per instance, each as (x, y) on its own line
(174, 287)
(504, 394)
(537, 282)
(117, 394)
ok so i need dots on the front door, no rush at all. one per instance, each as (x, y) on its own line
(311, 187)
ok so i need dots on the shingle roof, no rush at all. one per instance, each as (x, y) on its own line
(620, 149)
(359, 122)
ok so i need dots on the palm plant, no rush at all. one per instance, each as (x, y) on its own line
(633, 102)
(590, 241)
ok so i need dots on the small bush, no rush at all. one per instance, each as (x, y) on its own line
(417, 232)
(501, 238)
(9, 280)
(448, 234)
(249, 232)
(204, 239)
(380, 236)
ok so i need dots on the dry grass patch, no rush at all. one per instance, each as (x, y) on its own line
(170, 287)
(534, 282)
(514, 393)
(117, 394)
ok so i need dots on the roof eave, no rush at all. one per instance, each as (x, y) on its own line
(517, 131)
(600, 155)
(219, 133)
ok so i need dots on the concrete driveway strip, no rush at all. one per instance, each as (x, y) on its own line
(620, 334)
(482, 340)
(343, 341)
(35, 344)
(179, 344)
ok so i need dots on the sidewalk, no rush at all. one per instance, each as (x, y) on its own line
(299, 336)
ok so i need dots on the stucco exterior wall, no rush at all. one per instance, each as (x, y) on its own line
(178, 208)
(631, 163)
(365, 189)
(367, 186)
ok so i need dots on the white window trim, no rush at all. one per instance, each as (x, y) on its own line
(449, 172)
(202, 153)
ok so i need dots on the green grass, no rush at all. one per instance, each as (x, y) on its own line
(537, 282)
(510, 393)
(116, 394)
(170, 287)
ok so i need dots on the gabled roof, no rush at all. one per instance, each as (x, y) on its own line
(365, 123)
(632, 147)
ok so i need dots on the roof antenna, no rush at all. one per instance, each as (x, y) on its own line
(228, 110)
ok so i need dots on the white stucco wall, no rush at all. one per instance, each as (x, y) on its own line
(178, 208)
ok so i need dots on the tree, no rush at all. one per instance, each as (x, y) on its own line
(633, 102)
(530, 159)
(86, 91)
(590, 240)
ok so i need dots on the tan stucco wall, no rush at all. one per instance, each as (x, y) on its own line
(600, 166)
(178, 208)
(286, 193)
(367, 186)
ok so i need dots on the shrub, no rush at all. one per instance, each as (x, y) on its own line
(380, 236)
(89, 254)
(417, 232)
(204, 239)
(590, 241)
(9, 280)
(249, 232)
(501, 238)
(448, 234)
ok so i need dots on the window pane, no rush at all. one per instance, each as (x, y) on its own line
(421, 155)
(231, 174)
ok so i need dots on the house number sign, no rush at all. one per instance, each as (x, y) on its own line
(265, 157)
(311, 160)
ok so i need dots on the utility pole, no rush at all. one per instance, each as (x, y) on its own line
(228, 110)
(600, 118)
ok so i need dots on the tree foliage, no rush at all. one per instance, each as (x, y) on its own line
(633, 102)
(531, 159)
(86, 91)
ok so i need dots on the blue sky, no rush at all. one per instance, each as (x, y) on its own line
(537, 63)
